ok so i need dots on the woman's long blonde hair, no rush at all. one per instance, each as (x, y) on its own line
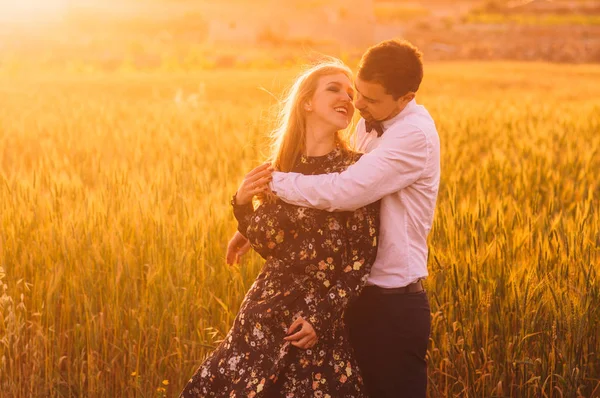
(289, 137)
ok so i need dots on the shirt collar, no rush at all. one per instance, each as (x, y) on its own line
(407, 109)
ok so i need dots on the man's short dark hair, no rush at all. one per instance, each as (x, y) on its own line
(395, 64)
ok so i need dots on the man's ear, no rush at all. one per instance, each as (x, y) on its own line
(409, 97)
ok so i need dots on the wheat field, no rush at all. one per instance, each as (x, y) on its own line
(114, 219)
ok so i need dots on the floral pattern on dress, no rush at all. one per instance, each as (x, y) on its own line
(316, 262)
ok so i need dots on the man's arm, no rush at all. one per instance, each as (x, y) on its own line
(400, 159)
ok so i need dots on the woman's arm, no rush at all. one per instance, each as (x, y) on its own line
(254, 183)
(243, 214)
(265, 228)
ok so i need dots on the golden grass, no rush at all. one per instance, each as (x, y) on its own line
(114, 219)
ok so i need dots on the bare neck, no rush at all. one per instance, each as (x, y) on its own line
(320, 139)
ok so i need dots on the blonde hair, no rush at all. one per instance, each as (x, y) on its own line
(289, 137)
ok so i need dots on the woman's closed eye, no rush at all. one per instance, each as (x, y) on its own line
(335, 89)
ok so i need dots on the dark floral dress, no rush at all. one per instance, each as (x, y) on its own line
(316, 262)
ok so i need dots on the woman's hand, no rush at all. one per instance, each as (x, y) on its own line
(237, 247)
(305, 338)
(255, 182)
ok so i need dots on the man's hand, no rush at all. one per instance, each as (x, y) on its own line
(305, 338)
(237, 247)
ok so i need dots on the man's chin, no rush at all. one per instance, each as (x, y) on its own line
(367, 117)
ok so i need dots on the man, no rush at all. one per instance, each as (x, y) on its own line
(390, 322)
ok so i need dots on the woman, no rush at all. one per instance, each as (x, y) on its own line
(289, 338)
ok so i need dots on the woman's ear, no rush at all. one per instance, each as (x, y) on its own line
(308, 106)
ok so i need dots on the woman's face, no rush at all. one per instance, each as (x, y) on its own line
(332, 101)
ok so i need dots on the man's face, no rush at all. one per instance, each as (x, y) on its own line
(374, 103)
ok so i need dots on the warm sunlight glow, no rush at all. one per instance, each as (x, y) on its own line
(24, 11)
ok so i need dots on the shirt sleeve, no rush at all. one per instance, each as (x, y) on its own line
(398, 161)
(329, 304)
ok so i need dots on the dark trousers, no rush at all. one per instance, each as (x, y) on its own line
(389, 334)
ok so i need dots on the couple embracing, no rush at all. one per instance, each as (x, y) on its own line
(338, 309)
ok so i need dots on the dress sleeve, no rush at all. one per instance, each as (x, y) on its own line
(243, 214)
(329, 304)
(265, 228)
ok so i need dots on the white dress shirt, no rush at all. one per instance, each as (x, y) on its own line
(402, 168)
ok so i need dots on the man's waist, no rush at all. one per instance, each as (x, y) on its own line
(414, 287)
(396, 275)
